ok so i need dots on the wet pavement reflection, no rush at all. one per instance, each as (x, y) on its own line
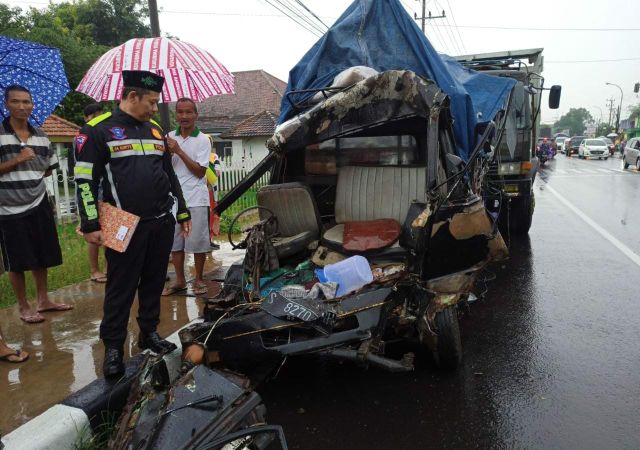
(66, 353)
(551, 354)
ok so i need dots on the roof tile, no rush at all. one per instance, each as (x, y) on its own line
(255, 91)
(262, 124)
(57, 126)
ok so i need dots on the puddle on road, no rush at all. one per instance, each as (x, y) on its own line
(65, 352)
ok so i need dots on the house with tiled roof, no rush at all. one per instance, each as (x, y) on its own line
(61, 133)
(249, 136)
(253, 107)
(60, 130)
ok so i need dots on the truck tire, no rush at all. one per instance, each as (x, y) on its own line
(518, 214)
(448, 353)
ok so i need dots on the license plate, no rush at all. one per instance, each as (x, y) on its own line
(511, 188)
(284, 308)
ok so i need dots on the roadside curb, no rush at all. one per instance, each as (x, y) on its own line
(60, 426)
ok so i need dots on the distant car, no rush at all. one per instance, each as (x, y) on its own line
(610, 145)
(593, 148)
(632, 154)
(573, 144)
(560, 143)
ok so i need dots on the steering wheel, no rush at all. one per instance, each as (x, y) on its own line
(242, 244)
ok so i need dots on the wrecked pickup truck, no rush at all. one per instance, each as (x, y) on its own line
(369, 171)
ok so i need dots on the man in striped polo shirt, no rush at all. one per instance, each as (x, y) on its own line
(28, 235)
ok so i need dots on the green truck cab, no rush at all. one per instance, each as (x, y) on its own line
(515, 166)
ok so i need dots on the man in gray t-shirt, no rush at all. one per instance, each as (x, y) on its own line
(28, 235)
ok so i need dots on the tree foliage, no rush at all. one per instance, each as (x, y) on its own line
(604, 129)
(82, 30)
(575, 120)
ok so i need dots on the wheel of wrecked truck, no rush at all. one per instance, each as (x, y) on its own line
(448, 352)
(520, 214)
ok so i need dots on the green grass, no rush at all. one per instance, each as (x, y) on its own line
(247, 200)
(75, 267)
(75, 259)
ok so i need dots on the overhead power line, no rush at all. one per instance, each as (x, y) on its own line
(544, 29)
(592, 61)
(456, 27)
(287, 4)
(312, 13)
(302, 24)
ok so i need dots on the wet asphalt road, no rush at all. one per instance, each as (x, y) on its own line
(552, 353)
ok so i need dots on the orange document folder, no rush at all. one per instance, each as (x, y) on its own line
(117, 226)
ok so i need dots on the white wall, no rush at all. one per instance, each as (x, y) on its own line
(249, 148)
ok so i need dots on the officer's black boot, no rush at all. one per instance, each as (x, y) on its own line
(155, 343)
(113, 365)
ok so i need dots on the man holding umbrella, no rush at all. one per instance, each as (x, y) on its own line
(126, 152)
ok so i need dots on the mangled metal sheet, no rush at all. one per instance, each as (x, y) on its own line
(383, 98)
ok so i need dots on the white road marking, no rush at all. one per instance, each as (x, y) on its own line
(604, 233)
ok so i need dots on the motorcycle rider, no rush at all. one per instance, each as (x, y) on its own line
(544, 151)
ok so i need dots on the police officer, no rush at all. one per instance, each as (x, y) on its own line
(125, 153)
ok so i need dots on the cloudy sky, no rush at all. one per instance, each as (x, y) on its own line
(586, 43)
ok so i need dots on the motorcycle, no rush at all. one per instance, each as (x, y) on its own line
(544, 153)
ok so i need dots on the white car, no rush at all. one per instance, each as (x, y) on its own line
(632, 154)
(560, 143)
(593, 148)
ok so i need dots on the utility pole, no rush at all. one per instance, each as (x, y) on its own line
(163, 107)
(425, 17)
(610, 106)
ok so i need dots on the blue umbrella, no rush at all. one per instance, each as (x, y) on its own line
(38, 68)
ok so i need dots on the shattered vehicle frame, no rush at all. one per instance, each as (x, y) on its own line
(383, 147)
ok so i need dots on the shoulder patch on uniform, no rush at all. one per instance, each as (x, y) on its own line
(96, 120)
(81, 139)
(156, 133)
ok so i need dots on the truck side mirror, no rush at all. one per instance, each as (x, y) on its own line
(554, 96)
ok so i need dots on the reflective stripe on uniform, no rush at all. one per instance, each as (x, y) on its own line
(141, 152)
(83, 170)
(183, 216)
(96, 120)
(134, 145)
(112, 185)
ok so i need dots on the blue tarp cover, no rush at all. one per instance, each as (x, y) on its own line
(381, 34)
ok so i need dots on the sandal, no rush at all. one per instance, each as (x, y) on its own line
(100, 279)
(56, 307)
(34, 318)
(173, 290)
(199, 289)
(16, 357)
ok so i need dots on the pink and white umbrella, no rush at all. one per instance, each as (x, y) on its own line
(188, 70)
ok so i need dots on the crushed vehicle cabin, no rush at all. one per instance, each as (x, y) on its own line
(387, 163)
(372, 167)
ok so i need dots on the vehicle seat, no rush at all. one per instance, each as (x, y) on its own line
(297, 213)
(369, 193)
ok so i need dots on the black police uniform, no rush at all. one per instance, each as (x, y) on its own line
(128, 159)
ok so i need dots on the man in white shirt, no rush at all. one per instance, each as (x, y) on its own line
(190, 148)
